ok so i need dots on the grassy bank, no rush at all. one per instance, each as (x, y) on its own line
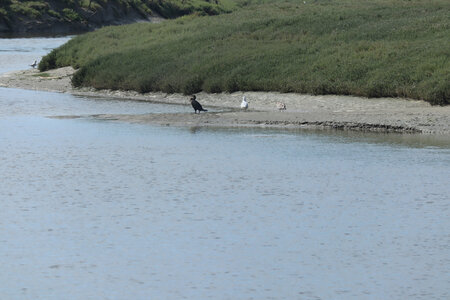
(73, 10)
(65, 16)
(378, 48)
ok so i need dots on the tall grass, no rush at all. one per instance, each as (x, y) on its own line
(377, 48)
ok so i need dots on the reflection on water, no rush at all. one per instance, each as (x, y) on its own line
(104, 210)
(22, 102)
(409, 140)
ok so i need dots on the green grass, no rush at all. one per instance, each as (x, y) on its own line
(41, 75)
(177, 8)
(78, 10)
(378, 48)
(32, 9)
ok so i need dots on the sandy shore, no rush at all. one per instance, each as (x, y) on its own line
(340, 112)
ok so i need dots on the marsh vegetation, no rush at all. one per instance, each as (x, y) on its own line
(374, 48)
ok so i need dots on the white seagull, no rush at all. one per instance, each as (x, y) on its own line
(244, 103)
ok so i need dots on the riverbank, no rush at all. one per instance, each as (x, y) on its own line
(377, 49)
(303, 111)
(51, 17)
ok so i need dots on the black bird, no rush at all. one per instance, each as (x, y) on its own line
(34, 64)
(196, 105)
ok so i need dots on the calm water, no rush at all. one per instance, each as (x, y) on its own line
(19, 54)
(105, 210)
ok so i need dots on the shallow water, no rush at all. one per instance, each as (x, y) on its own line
(105, 210)
(16, 102)
(19, 54)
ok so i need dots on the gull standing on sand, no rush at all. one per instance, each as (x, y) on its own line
(244, 103)
(281, 106)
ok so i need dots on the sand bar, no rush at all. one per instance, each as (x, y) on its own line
(303, 111)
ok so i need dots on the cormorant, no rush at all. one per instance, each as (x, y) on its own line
(196, 105)
(34, 64)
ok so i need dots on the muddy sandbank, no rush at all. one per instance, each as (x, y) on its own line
(303, 111)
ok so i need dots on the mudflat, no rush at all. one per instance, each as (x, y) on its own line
(302, 111)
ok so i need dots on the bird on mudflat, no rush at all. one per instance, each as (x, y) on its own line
(244, 103)
(281, 106)
(197, 106)
(34, 64)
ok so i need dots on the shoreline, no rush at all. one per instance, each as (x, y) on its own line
(303, 111)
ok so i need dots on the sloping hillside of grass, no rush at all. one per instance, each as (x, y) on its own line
(59, 16)
(377, 48)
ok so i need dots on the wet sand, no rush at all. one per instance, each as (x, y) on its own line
(303, 111)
